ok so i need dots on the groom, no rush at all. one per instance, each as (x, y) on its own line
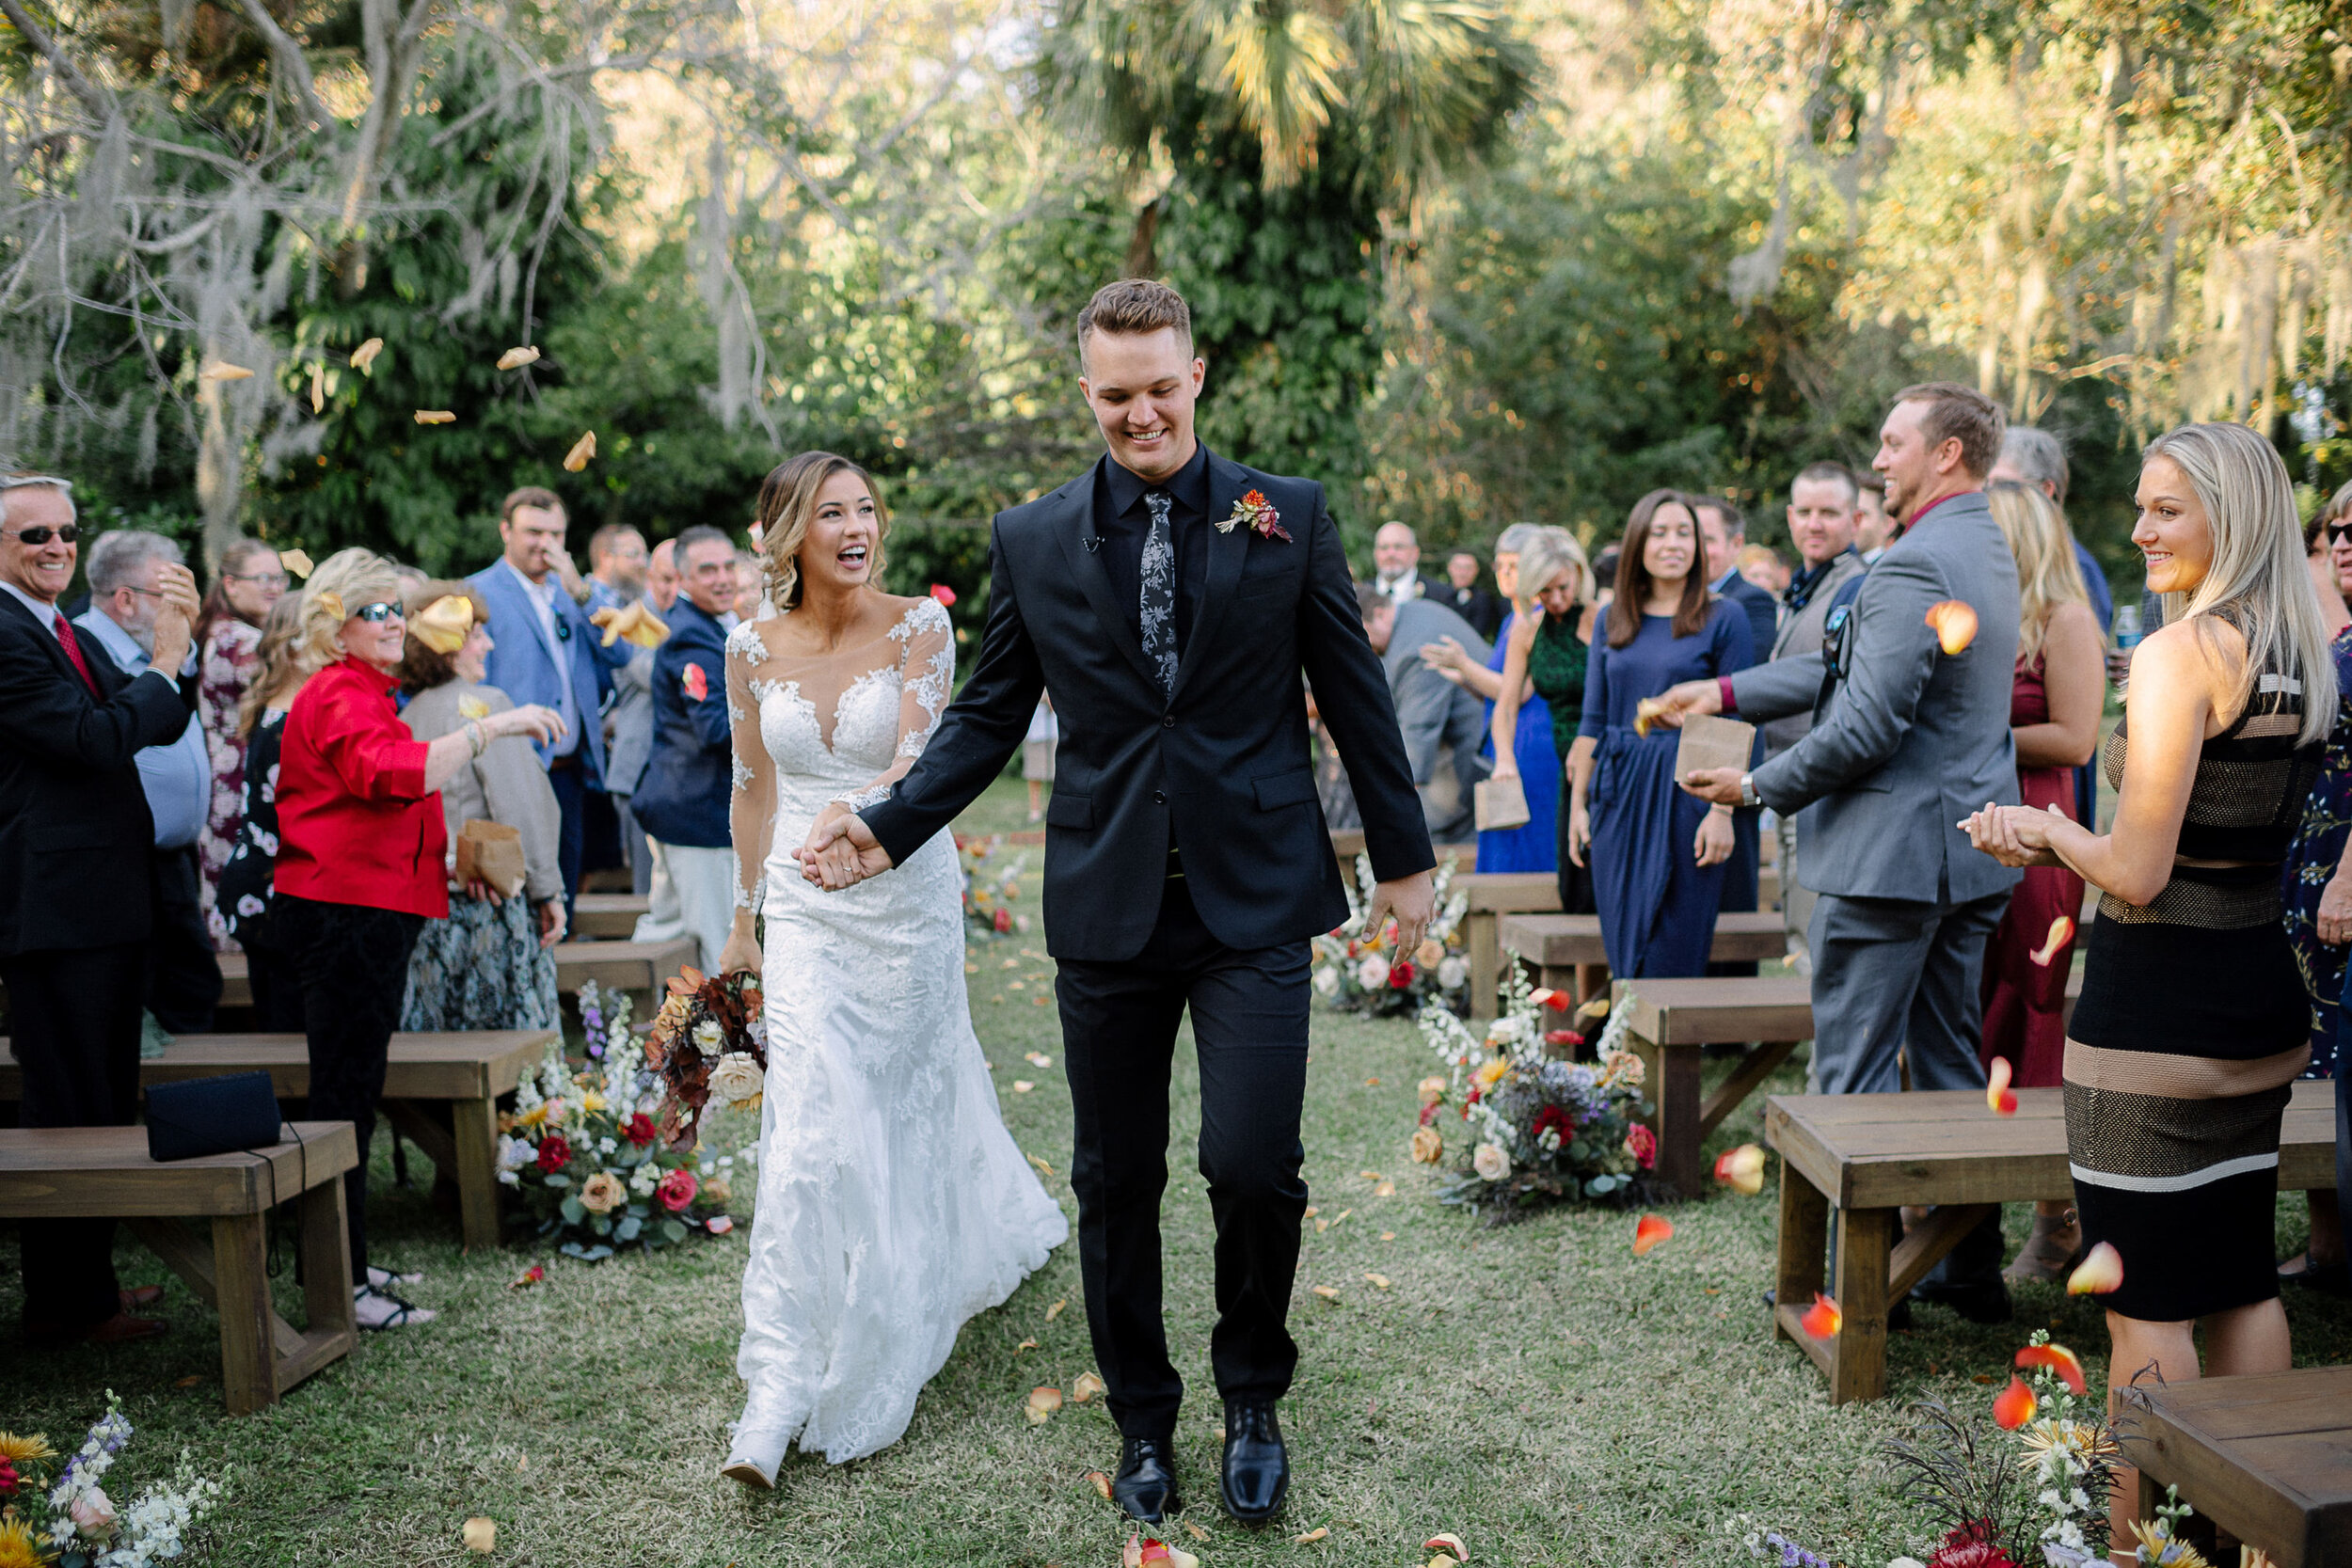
(1168, 599)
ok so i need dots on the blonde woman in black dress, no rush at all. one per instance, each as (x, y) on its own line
(2193, 1023)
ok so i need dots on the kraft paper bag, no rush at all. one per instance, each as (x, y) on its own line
(1711, 742)
(491, 853)
(1500, 803)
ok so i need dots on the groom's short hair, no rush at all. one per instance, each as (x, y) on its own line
(1133, 306)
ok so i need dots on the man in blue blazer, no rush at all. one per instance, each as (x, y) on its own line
(549, 653)
(682, 799)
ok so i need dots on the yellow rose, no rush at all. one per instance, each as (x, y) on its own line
(602, 1193)
(1428, 1147)
(1432, 1089)
(1491, 1074)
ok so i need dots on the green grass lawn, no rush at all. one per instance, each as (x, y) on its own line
(1535, 1389)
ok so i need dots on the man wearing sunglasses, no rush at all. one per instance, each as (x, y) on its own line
(75, 906)
(126, 570)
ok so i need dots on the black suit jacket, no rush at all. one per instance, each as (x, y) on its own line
(1222, 771)
(1763, 611)
(75, 834)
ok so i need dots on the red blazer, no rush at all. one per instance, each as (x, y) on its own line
(355, 824)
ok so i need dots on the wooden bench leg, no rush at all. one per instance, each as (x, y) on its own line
(475, 1123)
(327, 1261)
(248, 1351)
(1866, 1241)
(1803, 1234)
(1672, 1073)
(1486, 963)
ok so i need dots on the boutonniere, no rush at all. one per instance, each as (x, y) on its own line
(1257, 511)
(697, 684)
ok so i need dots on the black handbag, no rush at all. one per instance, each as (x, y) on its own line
(211, 1116)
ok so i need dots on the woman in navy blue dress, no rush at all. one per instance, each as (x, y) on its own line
(1657, 854)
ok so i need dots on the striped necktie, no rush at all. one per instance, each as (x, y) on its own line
(73, 652)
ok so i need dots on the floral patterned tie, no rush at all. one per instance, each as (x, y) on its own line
(1159, 593)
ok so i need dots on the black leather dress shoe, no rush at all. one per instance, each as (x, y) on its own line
(1985, 1302)
(1146, 1484)
(1257, 1467)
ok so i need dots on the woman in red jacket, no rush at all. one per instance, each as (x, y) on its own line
(362, 858)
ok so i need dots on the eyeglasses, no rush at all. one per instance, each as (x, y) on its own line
(377, 613)
(277, 580)
(67, 531)
(2336, 532)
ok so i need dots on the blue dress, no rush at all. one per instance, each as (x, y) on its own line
(1657, 905)
(1534, 847)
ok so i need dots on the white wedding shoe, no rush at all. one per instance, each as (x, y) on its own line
(753, 1463)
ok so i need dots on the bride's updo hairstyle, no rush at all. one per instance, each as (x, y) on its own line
(788, 498)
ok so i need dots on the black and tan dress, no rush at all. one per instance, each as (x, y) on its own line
(2191, 1027)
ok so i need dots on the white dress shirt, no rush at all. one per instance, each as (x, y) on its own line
(543, 598)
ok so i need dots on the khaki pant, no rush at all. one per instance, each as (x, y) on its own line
(693, 895)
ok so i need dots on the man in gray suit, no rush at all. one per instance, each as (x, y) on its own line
(1825, 504)
(1906, 740)
(1444, 724)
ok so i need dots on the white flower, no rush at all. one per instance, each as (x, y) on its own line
(709, 1036)
(607, 1147)
(248, 904)
(515, 1154)
(735, 1077)
(646, 1178)
(1328, 980)
(1451, 972)
(1373, 972)
(1502, 1031)
(1549, 1142)
(1490, 1162)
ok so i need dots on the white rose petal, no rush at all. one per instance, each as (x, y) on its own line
(1490, 1162)
(735, 1077)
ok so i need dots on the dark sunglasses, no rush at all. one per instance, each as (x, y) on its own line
(376, 613)
(2335, 532)
(69, 533)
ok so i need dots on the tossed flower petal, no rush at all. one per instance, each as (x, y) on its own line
(436, 416)
(364, 356)
(1315, 1534)
(1822, 1319)
(1100, 1483)
(1742, 1169)
(2014, 1405)
(1086, 1389)
(480, 1534)
(1326, 1292)
(1955, 624)
(1648, 1231)
(1645, 713)
(2064, 1362)
(1041, 1404)
(582, 449)
(2100, 1273)
(2062, 932)
(515, 359)
(1997, 1093)
(1447, 1542)
(221, 370)
(296, 562)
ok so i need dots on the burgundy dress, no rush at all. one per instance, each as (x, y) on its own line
(2025, 1003)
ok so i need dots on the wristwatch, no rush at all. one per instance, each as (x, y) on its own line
(1748, 797)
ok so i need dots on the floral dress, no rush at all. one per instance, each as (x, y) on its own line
(231, 659)
(2312, 861)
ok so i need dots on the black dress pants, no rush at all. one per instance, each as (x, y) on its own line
(182, 971)
(1118, 1041)
(351, 964)
(74, 1029)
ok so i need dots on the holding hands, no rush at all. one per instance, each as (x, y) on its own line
(841, 850)
(2014, 835)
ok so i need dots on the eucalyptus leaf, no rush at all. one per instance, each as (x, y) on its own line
(572, 1212)
(674, 1230)
(557, 1179)
(627, 1230)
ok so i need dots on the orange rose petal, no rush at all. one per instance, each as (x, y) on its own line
(1086, 1389)
(2062, 932)
(1742, 1169)
(1100, 1483)
(1648, 1231)
(2100, 1273)
(1955, 625)
(1996, 1090)
(1041, 1404)
(2059, 1360)
(1822, 1319)
(1447, 1542)
(1315, 1534)
(2014, 1405)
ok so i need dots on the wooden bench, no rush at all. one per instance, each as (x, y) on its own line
(644, 966)
(1672, 1020)
(1867, 1155)
(2266, 1458)
(1557, 944)
(1494, 894)
(607, 916)
(105, 1172)
(466, 1072)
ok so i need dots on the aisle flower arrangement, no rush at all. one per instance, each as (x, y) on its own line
(2029, 1492)
(54, 1507)
(1354, 974)
(993, 890)
(585, 1146)
(1528, 1126)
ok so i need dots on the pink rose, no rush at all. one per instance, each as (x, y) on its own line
(1641, 1144)
(677, 1190)
(93, 1514)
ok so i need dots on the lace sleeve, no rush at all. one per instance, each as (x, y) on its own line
(752, 806)
(927, 677)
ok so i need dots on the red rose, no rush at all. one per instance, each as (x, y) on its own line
(1641, 1144)
(1429, 1112)
(638, 1130)
(677, 1190)
(7, 1478)
(1551, 1118)
(1003, 921)
(554, 1153)
(1970, 1547)
(1400, 974)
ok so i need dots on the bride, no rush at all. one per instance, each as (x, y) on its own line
(893, 1204)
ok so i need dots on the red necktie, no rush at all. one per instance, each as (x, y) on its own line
(73, 652)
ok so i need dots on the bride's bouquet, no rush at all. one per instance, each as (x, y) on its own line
(709, 1041)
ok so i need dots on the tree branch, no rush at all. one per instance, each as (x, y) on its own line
(101, 101)
(289, 59)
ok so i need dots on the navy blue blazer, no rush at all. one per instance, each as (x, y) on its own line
(684, 795)
(520, 665)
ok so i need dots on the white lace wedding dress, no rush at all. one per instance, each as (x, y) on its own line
(893, 1204)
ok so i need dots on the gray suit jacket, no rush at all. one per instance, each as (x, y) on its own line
(1909, 740)
(1444, 724)
(630, 716)
(1800, 633)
